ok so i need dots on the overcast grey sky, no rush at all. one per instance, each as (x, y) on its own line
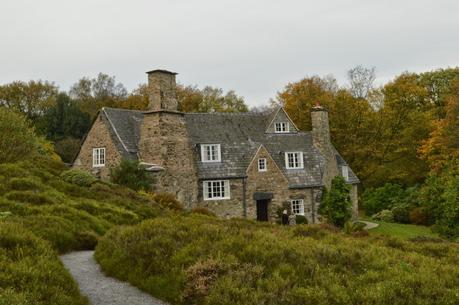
(253, 47)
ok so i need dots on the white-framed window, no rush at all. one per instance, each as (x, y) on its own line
(262, 166)
(210, 153)
(294, 160)
(297, 206)
(345, 172)
(98, 157)
(281, 127)
(216, 189)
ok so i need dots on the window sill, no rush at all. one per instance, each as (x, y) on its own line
(215, 199)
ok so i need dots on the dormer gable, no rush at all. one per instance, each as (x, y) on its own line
(280, 123)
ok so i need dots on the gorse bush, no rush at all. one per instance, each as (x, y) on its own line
(204, 260)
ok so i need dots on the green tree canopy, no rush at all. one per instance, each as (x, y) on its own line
(18, 140)
(31, 98)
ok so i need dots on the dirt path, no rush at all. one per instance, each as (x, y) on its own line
(100, 289)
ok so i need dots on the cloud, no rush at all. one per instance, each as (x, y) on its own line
(253, 47)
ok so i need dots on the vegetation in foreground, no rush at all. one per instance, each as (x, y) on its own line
(30, 271)
(46, 209)
(204, 260)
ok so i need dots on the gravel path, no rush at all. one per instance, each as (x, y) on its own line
(100, 289)
(369, 225)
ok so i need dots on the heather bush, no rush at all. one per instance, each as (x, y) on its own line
(203, 211)
(30, 271)
(78, 177)
(168, 201)
(68, 215)
(204, 260)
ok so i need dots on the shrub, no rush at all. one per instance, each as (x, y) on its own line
(336, 205)
(30, 271)
(203, 211)
(78, 177)
(300, 219)
(352, 227)
(21, 142)
(220, 262)
(419, 216)
(382, 198)
(27, 183)
(168, 201)
(132, 175)
(31, 197)
(384, 215)
(401, 213)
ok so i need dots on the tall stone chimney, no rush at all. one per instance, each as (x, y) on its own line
(321, 139)
(162, 91)
(164, 141)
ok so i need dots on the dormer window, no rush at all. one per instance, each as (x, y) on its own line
(345, 172)
(210, 153)
(282, 127)
(294, 160)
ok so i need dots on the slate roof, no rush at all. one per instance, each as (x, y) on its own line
(240, 136)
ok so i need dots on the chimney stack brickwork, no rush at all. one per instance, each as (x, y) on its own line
(162, 91)
(164, 140)
(321, 139)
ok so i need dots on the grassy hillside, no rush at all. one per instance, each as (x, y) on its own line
(42, 215)
(204, 260)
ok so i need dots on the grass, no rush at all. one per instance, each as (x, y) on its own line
(405, 231)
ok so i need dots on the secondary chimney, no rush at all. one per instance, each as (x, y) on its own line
(162, 92)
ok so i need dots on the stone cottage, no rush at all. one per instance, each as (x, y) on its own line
(234, 164)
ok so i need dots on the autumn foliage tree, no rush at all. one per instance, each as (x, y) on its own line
(443, 143)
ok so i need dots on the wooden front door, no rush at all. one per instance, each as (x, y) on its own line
(262, 209)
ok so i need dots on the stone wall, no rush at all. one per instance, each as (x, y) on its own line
(227, 208)
(98, 136)
(164, 142)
